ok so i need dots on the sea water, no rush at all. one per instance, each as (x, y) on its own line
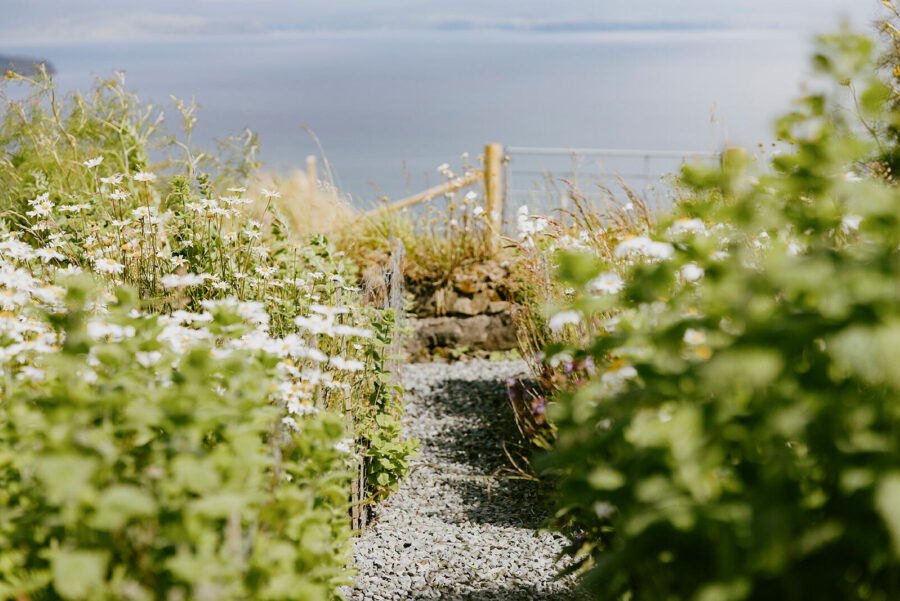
(389, 108)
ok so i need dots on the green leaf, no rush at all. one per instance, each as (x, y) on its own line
(887, 502)
(753, 368)
(869, 352)
(66, 476)
(78, 574)
(119, 504)
(874, 97)
(221, 505)
(605, 478)
(577, 268)
(195, 474)
(724, 591)
(385, 420)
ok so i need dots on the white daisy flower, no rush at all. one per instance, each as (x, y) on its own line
(644, 247)
(606, 283)
(692, 336)
(850, 223)
(143, 176)
(691, 272)
(564, 318)
(105, 265)
(113, 180)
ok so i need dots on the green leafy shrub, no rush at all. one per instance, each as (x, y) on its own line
(185, 440)
(596, 225)
(81, 197)
(130, 471)
(739, 441)
(386, 449)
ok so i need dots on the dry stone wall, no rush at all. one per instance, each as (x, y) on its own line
(472, 310)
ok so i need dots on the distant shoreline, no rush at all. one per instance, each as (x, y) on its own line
(446, 31)
(24, 65)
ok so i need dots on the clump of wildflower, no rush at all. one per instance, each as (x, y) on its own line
(642, 246)
(41, 206)
(529, 226)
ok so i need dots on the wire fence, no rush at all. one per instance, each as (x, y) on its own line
(540, 178)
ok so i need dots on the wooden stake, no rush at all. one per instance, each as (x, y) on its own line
(493, 193)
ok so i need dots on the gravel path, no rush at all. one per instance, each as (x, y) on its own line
(457, 529)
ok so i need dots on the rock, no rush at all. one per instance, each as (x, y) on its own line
(480, 332)
(491, 272)
(453, 332)
(475, 305)
(502, 335)
(468, 283)
(497, 306)
(467, 293)
(441, 300)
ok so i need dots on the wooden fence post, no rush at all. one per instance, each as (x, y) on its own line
(493, 193)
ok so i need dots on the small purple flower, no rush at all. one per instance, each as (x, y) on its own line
(578, 539)
(514, 389)
(588, 365)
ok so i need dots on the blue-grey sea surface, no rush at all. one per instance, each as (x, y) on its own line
(389, 108)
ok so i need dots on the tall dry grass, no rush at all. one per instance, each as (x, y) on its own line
(310, 207)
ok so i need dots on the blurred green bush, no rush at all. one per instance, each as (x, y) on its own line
(741, 438)
(189, 424)
(125, 480)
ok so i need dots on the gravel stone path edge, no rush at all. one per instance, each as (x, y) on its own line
(458, 528)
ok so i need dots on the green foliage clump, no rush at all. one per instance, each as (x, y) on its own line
(44, 141)
(740, 438)
(186, 439)
(387, 450)
(128, 471)
(83, 196)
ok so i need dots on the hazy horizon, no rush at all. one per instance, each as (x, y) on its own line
(401, 87)
(40, 22)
